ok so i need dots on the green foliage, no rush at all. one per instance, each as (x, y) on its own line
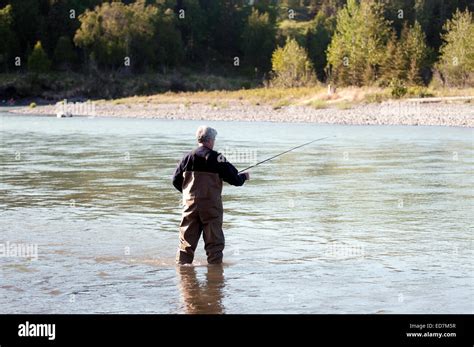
(378, 97)
(7, 35)
(357, 49)
(315, 35)
(225, 22)
(344, 105)
(26, 24)
(406, 59)
(457, 53)
(415, 53)
(318, 38)
(433, 14)
(114, 31)
(291, 66)
(166, 48)
(291, 29)
(38, 61)
(348, 42)
(419, 92)
(318, 104)
(104, 32)
(394, 64)
(194, 30)
(58, 22)
(6, 18)
(398, 88)
(400, 13)
(64, 54)
(259, 41)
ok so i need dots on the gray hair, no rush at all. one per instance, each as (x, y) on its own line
(205, 133)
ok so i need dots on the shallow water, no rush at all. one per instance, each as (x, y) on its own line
(374, 220)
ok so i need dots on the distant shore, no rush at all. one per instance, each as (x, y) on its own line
(211, 97)
(430, 111)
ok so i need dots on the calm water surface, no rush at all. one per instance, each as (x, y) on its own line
(374, 220)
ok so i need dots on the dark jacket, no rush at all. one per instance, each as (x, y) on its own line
(203, 159)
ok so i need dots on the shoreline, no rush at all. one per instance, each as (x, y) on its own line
(394, 112)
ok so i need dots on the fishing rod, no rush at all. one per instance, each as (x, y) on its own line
(291, 149)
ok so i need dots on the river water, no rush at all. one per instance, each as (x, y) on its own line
(377, 219)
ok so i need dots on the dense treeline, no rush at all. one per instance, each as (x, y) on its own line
(289, 43)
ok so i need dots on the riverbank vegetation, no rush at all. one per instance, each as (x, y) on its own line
(285, 52)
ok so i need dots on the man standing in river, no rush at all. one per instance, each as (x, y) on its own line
(199, 177)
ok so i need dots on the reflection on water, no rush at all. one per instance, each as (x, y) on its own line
(202, 297)
(377, 219)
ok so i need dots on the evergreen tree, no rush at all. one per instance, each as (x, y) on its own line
(259, 41)
(348, 41)
(166, 42)
(192, 24)
(399, 13)
(64, 55)
(38, 61)
(7, 42)
(318, 38)
(415, 52)
(26, 22)
(393, 67)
